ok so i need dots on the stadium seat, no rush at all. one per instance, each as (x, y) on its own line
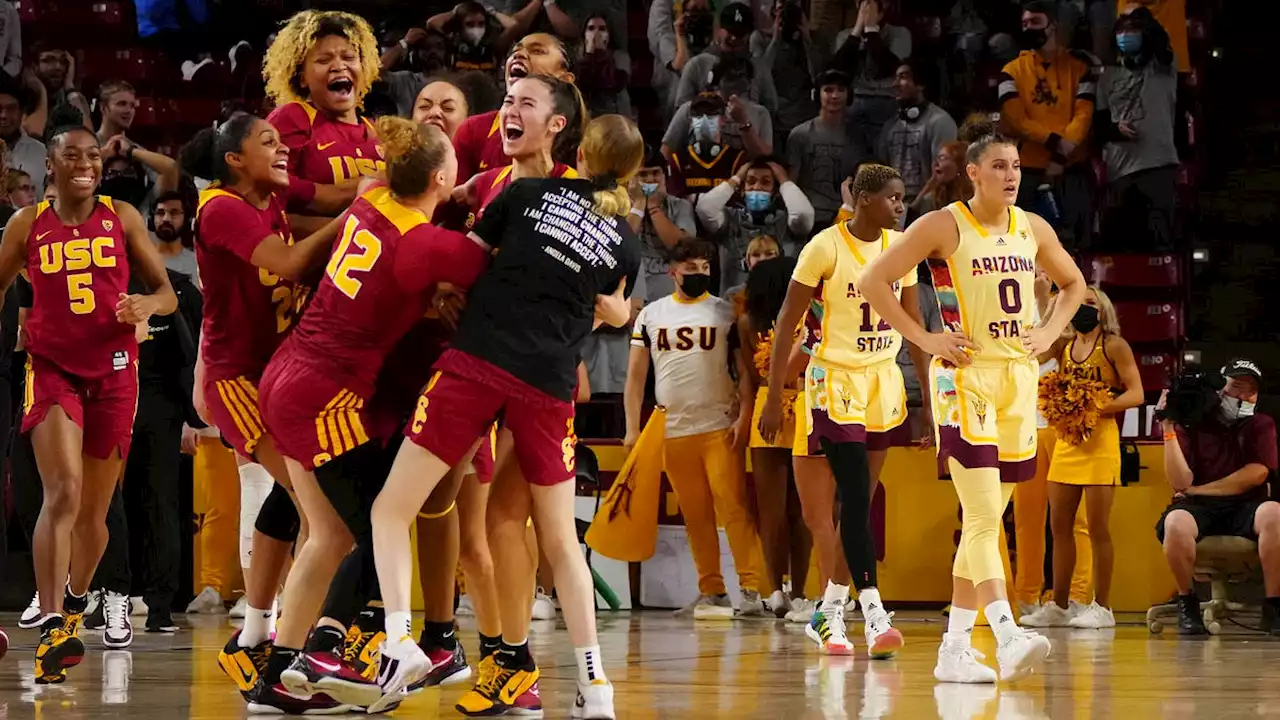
(1155, 366)
(1134, 270)
(1150, 322)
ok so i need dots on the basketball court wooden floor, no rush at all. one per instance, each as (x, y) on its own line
(670, 669)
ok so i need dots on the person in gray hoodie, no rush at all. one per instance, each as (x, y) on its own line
(910, 141)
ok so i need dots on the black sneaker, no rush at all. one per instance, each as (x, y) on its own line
(159, 620)
(1190, 621)
(1271, 616)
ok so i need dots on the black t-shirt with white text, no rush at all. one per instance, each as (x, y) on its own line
(531, 312)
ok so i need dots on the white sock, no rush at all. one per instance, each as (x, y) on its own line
(869, 601)
(398, 626)
(258, 626)
(835, 594)
(590, 669)
(1000, 615)
(960, 625)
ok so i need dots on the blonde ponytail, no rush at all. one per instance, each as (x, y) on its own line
(613, 150)
(612, 201)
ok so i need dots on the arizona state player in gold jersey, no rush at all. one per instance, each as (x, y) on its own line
(983, 256)
(854, 394)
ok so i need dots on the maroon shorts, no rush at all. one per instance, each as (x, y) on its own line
(466, 396)
(311, 416)
(104, 408)
(233, 407)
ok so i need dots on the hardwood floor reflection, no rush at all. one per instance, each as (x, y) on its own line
(666, 669)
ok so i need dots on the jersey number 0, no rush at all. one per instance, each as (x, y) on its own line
(357, 252)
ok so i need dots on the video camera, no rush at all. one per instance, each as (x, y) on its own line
(698, 28)
(1192, 397)
(790, 15)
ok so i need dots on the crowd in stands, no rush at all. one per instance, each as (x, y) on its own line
(757, 116)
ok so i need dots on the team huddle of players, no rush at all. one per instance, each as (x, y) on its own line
(345, 310)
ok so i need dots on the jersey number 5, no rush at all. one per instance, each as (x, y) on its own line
(346, 259)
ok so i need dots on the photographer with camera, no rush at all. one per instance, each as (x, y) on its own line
(732, 37)
(788, 50)
(673, 40)
(1218, 454)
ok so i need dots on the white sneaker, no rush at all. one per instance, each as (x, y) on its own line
(117, 666)
(883, 639)
(1093, 617)
(31, 616)
(1025, 609)
(1022, 654)
(962, 702)
(594, 702)
(543, 607)
(208, 601)
(138, 608)
(242, 605)
(465, 608)
(710, 607)
(752, 605)
(1050, 615)
(403, 664)
(95, 599)
(960, 663)
(118, 633)
(801, 610)
(827, 628)
(778, 603)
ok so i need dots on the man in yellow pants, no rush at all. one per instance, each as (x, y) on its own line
(689, 335)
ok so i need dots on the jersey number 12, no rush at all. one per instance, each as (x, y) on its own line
(346, 259)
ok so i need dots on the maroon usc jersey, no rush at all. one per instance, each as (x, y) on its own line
(379, 282)
(491, 183)
(78, 274)
(478, 144)
(247, 310)
(325, 151)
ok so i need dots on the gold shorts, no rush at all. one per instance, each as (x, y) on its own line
(854, 405)
(985, 415)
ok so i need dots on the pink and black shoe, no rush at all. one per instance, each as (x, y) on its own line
(274, 699)
(326, 674)
(448, 667)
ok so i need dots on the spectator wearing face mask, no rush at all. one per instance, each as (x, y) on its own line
(1047, 96)
(732, 41)
(910, 142)
(602, 71)
(787, 48)
(660, 220)
(130, 172)
(765, 202)
(820, 152)
(702, 158)
(1218, 470)
(1135, 120)
(744, 124)
(407, 65)
(480, 36)
(869, 52)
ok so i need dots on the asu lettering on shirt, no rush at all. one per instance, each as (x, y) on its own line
(691, 344)
(842, 328)
(326, 151)
(77, 274)
(986, 289)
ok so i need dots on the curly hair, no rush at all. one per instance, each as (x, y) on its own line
(872, 178)
(282, 64)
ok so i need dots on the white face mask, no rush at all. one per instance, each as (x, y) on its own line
(1234, 409)
(473, 34)
(597, 39)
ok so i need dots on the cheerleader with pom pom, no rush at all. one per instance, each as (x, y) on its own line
(1097, 381)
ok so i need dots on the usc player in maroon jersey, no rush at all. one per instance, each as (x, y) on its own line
(252, 267)
(479, 140)
(379, 282)
(82, 377)
(318, 70)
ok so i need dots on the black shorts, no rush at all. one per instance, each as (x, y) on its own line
(1216, 516)
(353, 480)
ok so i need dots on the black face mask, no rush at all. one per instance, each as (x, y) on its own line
(123, 187)
(1033, 38)
(1085, 320)
(695, 285)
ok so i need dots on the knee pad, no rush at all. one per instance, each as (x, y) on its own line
(255, 486)
(278, 518)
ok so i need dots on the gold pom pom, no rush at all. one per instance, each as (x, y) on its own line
(1072, 403)
(764, 351)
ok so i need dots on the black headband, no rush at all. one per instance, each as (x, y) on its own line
(607, 181)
